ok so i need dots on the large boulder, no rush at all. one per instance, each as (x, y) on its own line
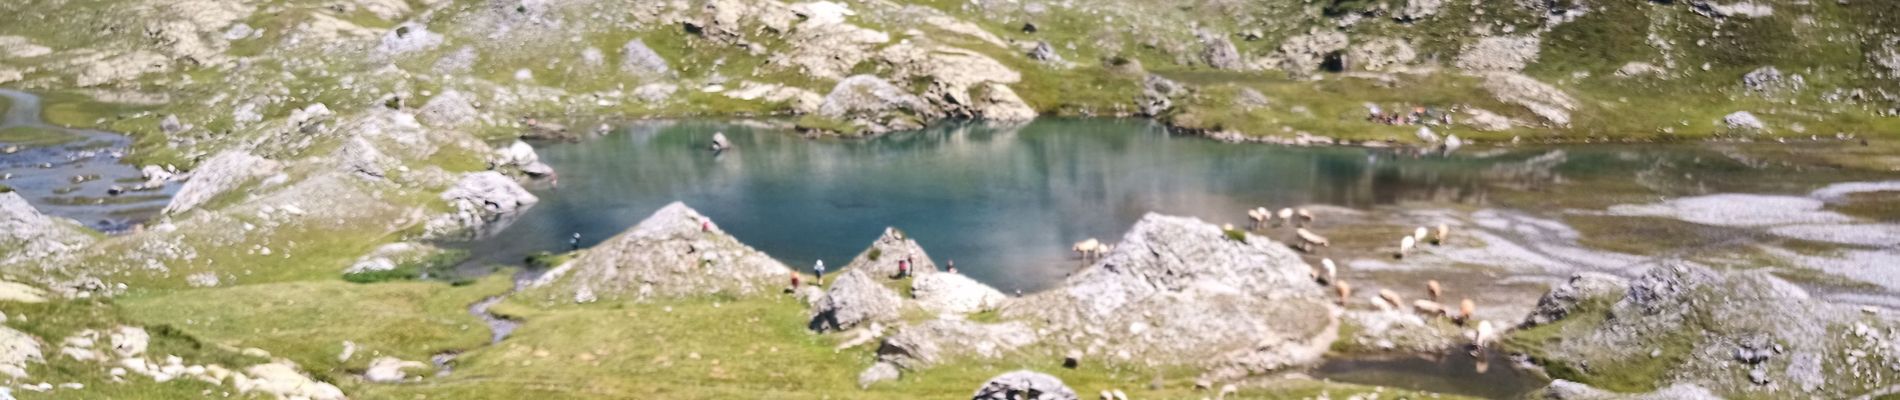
(880, 260)
(483, 203)
(1743, 120)
(1181, 291)
(875, 106)
(1305, 54)
(963, 83)
(947, 293)
(1573, 295)
(1024, 385)
(283, 381)
(675, 253)
(1548, 102)
(221, 173)
(855, 298)
(1736, 333)
(937, 341)
(638, 59)
(27, 235)
(17, 349)
(1220, 53)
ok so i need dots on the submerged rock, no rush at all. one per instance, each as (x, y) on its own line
(1024, 385)
(1179, 290)
(676, 252)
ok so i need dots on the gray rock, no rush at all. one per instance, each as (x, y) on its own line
(483, 203)
(1567, 390)
(878, 372)
(1380, 54)
(1499, 53)
(947, 293)
(360, 157)
(1045, 52)
(390, 369)
(636, 58)
(876, 106)
(170, 124)
(221, 173)
(1178, 290)
(1548, 102)
(676, 252)
(855, 298)
(881, 258)
(26, 235)
(1251, 99)
(933, 342)
(459, 62)
(1415, 10)
(407, 38)
(1220, 53)
(1566, 298)
(448, 109)
(1157, 95)
(17, 349)
(1024, 385)
(1635, 69)
(1304, 54)
(1744, 120)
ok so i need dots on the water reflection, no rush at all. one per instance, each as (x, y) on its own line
(75, 178)
(1004, 202)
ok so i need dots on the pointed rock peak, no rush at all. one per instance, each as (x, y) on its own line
(676, 252)
(884, 256)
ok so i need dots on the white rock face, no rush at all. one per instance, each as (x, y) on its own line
(947, 293)
(1744, 120)
(1547, 101)
(27, 235)
(16, 350)
(638, 59)
(1500, 53)
(284, 382)
(390, 369)
(221, 173)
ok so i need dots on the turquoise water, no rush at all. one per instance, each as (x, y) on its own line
(1006, 203)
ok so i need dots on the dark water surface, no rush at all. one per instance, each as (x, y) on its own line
(45, 175)
(1006, 203)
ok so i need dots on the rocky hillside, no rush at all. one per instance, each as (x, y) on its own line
(234, 73)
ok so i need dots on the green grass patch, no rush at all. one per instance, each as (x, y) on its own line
(1629, 373)
(308, 322)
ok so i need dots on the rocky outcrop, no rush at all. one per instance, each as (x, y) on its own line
(1499, 53)
(26, 235)
(1380, 54)
(1635, 69)
(221, 173)
(881, 258)
(17, 349)
(1743, 120)
(1157, 95)
(875, 106)
(483, 203)
(1220, 53)
(1548, 102)
(937, 341)
(1572, 296)
(1416, 10)
(676, 252)
(407, 38)
(638, 59)
(1304, 54)
(1740, 333)
(963, 83)
(947, 293)
(1181, 291)
(1485, 120)
(449, 109)
(1770, 81)
(282, 380)
(1567, 390)
(1024, 385)
(360, 157)
(855, 298)
(390, 369)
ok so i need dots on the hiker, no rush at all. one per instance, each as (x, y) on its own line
(953, 266)
(574, 243)
(903, 269)
(794, 281)
(819, 271)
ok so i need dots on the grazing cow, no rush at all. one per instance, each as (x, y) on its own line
(1438, 237)
(1344, 289)
(1392, 299)
(1465, 309)
(1306, 218)
(1308, 240)
(1090, 249)
(1431, 287)
(1405, 246)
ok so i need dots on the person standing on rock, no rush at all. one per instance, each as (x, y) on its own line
(903, 269)
(952, 265)
(819, 271)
